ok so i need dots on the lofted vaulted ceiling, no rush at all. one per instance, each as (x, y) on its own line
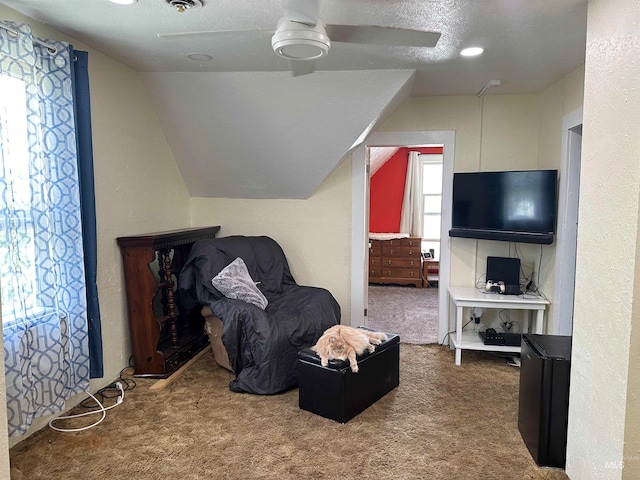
(240, 125)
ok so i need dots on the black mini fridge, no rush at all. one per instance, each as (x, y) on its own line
(544, 397)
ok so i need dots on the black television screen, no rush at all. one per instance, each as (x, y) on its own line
(516, 206)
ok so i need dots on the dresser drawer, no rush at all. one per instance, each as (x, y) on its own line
(401, 262)
(412, 242)
(394, 242)
(401, 273)
(401, 251)
(375, 262)
(413, 252)
(375, 250)
(392, 251)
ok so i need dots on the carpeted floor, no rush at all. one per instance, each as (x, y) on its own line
(407, 311)
(442, 422)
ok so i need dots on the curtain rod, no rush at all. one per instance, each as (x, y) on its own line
(52, 49)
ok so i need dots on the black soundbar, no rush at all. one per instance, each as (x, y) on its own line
(520, 237)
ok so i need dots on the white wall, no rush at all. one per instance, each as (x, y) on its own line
(603, 416)
(138, 186)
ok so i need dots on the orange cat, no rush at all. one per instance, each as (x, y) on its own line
(341, 342)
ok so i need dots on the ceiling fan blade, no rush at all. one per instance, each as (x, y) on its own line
(212, 33)
(375, 35)
(302, 11)
(301, 67)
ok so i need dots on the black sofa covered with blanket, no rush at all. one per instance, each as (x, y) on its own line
(264, 327)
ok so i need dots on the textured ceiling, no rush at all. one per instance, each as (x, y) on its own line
(528, 44)
(231, 119)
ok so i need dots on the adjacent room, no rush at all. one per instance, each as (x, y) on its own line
(405, 202)
(183, 179)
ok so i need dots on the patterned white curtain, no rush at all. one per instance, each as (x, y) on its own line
(44, 317)
(412, 215)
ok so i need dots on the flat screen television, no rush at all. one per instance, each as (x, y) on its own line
(513, 206)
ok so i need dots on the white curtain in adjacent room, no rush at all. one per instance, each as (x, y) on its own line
(412, 214)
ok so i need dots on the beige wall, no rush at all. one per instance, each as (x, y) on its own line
(631, 452)
(496, 132)
(560, 99)
(603, 417)
(493, 133)
(140, 190)
(315, 234)
(504, 127)
(138, 186)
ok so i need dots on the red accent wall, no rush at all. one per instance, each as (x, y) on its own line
(386, 190)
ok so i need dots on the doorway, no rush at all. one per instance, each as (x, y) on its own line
(405, 193)
(360, 208)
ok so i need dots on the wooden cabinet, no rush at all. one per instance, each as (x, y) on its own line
(398, 261)
(163, 336)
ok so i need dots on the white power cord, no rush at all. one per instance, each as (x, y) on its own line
(102, 409)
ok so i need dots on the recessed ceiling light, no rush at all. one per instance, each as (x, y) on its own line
(200, 57)
(472, 51)
(123, 2)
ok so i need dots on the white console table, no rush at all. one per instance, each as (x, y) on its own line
(470, 297)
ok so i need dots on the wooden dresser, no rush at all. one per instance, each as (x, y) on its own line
(398, 261)
(163, 338)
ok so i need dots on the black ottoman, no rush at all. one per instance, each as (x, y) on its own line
(336, 392)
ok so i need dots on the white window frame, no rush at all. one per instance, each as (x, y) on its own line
(431, 159)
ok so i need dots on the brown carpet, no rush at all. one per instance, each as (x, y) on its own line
(407, 311)
(442, 422)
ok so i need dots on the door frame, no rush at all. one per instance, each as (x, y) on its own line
(568, 198)
(360, 216)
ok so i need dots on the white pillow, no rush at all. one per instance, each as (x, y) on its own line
(234, 281)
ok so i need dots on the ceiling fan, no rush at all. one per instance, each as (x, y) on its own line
(302, 37)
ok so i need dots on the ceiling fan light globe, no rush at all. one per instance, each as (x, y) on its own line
(295, 41)
(300, 49)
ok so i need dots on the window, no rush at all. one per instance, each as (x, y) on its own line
(432, 201)
(44, 295)
(17, 239)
